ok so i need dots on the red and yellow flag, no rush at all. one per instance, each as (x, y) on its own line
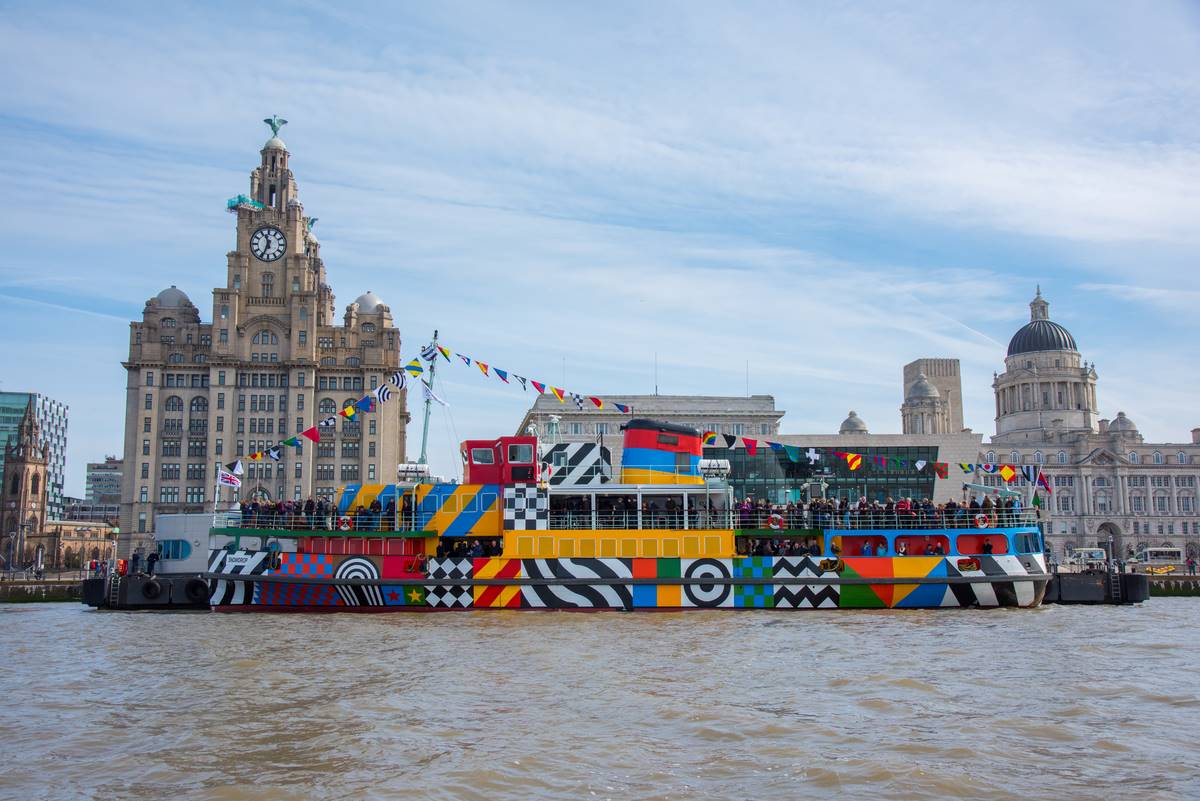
(558, 393)
(854, 460)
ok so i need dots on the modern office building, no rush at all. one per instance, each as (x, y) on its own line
(51, 417)
(104, 481)
(274, 360)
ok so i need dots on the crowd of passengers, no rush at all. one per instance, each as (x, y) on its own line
(870, 546)
(621, 511)
(462, 548)
(870, 514)
(318, 515)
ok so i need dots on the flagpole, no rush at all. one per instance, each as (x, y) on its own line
(429, 400)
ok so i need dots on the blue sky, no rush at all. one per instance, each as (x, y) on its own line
(826, 192)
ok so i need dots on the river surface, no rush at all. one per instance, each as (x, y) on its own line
(1051, 703)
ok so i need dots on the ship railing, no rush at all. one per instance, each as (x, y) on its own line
(328, 521)
(880, 519)
(630, 519)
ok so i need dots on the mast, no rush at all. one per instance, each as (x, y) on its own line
(429, 398)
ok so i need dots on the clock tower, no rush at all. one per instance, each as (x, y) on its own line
(274, 361)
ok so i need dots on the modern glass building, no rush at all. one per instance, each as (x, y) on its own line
(771, 475)
(52, 417)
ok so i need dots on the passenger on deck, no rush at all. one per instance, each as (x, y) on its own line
(866, 548)
(939, 549)
(929, 549)
(476, 549)
(902, 548)
(987, 545)
(813, 548)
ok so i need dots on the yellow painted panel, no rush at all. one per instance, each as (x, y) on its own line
(670, 548)
(650, 548)
(587, 548)
(691, 547)
(566, 549)
(525, 547)
(545, 547)
(712, 546)
(628, 549)
(608, 548)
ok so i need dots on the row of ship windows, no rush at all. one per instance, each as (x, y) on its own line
(1061, 457)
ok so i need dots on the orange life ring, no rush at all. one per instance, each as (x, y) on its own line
(982, 520)
(775, 522)
(345, 523)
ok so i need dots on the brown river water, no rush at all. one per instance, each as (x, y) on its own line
(1051, 703)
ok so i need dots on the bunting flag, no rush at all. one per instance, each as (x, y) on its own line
(751, 445)
(989, 468)
(398, 379)
(942, 469)
(813, 455)
(235, 467)
(466, 359)
(967, 467)
(623, 409)
(429, 394)
(540, 387)
(347, 411)
(383, 393)
(328, 422)
(599, 404)
(501, 374)
(483, 368)
(710, 438)
(292, 441)
(558, 393)
(444, 351)
(1030, 472)
(365, 404)
(730, 440)
(853, 460)
(429, 353)
(414, 368)
(1007, 472)
(227, 478)
(920, 465)
(313, 434)
(275, 453)
(1045, 483)
(522, 381)
(793, 453)
(578, 400)
(255, 457)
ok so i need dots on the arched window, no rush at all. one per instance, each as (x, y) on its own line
(34, 485)
(328, 361)
(268, 285)
(1062, 457)
(1181, 457)
(1016, 457)
(199, 404)
(1133, 457)
(991, 457)
(168, 322)
(1037, 457)
(353, 361)
(174, 404)
(327, 406)
(175, 358)
(15, 486)
(1158, 458)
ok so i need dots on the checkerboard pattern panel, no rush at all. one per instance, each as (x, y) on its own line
(307, 565)
(526, 508)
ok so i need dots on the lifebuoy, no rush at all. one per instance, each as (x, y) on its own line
(196, 590)
(775, 522)
(982, 520)
(151, 589)
(345, 523)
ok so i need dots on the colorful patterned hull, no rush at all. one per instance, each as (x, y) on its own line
(259, 581)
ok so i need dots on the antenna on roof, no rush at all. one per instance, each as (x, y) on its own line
(656, 372)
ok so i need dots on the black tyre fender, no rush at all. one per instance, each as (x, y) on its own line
(196, 590)
(152, 589)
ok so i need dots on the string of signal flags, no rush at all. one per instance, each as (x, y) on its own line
(411, 371)
(857, 461)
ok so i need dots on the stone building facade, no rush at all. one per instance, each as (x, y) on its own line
(554, 422)
(26, 490)
(103, 482)
(1109, 483)
(932, 397)
(273, 361)
(52, 417)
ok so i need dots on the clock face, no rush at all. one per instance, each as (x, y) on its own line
(268, 243)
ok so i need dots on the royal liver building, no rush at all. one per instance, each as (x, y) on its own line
(272, 362)
(1109, 483)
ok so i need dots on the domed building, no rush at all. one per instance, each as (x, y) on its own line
(1109, 485)
(273, 361)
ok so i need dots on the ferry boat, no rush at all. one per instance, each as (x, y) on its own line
(665, 536)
